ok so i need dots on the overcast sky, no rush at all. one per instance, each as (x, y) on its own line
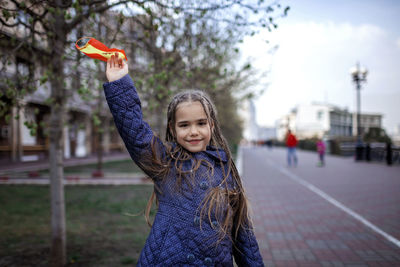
(318, 43)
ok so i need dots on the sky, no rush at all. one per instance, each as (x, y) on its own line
(317, 45)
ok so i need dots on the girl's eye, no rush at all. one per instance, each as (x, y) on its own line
(182, 125)
(202, 123)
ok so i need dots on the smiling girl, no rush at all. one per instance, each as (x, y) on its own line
(202, 216)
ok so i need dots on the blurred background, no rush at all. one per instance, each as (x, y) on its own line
(324, 69)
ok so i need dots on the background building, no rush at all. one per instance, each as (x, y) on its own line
(252, 131)
(324, 120)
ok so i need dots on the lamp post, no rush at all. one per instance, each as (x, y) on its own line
(359, 75)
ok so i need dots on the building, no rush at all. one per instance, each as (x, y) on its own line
(251, 130)
(340, 123)
(324, 120)
(367, 121)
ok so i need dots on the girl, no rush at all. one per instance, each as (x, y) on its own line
(321, 152)
(202, 217)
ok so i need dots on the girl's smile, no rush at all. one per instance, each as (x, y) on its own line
(192, 128)
(194, 142)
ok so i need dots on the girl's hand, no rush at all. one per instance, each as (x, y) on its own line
(116, 68)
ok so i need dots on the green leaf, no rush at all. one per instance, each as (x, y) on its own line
(148, 11)
(10, 93)
(7, 118)
(96, 120)
(49, 101)
(286, 10)
(67, 16)
(43, 79)
(121, 18)
(6, 14)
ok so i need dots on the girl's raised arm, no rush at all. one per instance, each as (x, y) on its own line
(125, 106)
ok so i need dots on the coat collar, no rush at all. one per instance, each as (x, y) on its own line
(216, 153)
(211, 152)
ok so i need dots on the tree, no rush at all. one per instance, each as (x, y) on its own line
(44, 29)
(376, 134)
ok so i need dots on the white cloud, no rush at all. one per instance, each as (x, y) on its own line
(398, 42)
(313, 62)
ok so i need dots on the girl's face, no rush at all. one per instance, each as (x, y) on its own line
(192, 128)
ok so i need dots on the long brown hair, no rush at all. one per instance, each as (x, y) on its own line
(229, 205)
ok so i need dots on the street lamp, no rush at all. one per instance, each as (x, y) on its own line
(359, 75)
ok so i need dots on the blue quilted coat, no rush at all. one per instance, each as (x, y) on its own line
(176, 238)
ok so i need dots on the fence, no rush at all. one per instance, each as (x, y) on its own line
(371, 152)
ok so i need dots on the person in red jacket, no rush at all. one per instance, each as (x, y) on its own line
(291, 143)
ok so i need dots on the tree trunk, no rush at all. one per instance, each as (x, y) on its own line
(100, 128)
(16, 140)
(57, 118)
(99, 152)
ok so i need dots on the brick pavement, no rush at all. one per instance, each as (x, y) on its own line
(297, 227)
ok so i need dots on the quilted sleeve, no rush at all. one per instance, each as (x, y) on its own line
(245, 249)
(125, 106)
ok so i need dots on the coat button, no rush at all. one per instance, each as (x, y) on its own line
(196, 220)
(204, 185)
(208, 261)
(214, 224)
(190, 257)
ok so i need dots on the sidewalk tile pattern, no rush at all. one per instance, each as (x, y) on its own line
(296, 227)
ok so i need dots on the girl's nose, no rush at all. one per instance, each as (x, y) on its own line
(194, 130)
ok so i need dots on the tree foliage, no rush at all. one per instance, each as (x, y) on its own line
(376, 134)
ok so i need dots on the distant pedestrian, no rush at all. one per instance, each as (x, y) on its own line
(389, 153)
(269, 143)
(291, 143)
(368, 152)
(202, 216)
(321, 148)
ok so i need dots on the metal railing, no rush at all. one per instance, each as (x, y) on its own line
(372, 152)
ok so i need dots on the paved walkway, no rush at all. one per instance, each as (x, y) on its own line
(343, 214)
